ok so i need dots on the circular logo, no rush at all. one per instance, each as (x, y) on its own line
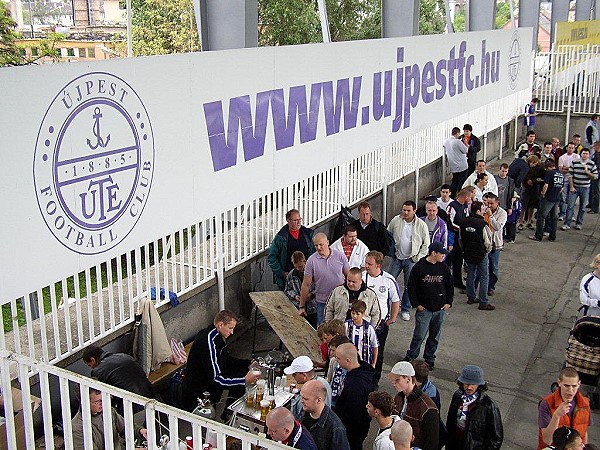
(93, 162)
(514, 59)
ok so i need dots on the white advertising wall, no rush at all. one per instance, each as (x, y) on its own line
(99, 158)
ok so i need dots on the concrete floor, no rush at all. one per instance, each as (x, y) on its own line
(521, 344)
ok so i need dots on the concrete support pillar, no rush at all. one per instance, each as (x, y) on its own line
(596, 9)
(449, 14)
(227, 24)
(583, 9)
(16, 12)
(560, 13)
(481, 15)
(529, 16)
(400, 18)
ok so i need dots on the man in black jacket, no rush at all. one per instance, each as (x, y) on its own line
(324, 425)
(473, 418)
(476, 246)
(210, 368)
(351, 404)
(119, 370)
(430, 283)
(371, 232)
(474, 145)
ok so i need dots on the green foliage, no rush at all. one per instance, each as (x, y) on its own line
(432, 17)
(288, 22)
(354, 19)
(502, 14)
(163, 26)
(459, 21)
(11, 52)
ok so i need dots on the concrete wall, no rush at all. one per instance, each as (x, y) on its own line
(547, 126)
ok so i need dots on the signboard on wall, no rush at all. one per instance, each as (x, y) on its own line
(102, 157)
(580, 32)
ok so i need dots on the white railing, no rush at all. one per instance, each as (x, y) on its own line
(160, 419)
(568, 80)
(103, 299)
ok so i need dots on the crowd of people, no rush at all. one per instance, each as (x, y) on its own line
(344, 292)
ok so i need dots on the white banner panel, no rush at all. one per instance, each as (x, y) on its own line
(102, 157)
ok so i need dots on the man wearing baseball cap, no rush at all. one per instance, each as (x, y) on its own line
(415, 406)
(474, 419)
(303, 370)
(431, 291)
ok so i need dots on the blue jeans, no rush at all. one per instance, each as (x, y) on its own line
(494, 264)
(562, 204)
(320, 313)
(426, 322)
(478, 274)
(582, 194)
(546, 214)
(402, 265)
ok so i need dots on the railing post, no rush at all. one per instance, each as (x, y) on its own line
(343, 184)
(570, 87)
(220, 263)
(501, 141)
(417, 184)
(384, 181)
(515, 132)
(485, 147)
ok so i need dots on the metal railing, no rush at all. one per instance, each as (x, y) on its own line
(57, 320)
(568, 80)
(159, 419)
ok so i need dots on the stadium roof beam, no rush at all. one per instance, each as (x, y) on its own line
(397, 17)
(227, 24)
(481, 15)
(529, 16)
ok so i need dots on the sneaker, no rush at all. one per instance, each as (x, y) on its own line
(565, 227)
(472, 300)
(431, 365)
(561, 218)
(490, 293)
(533, 237)
(520, 227)
(487, 307)
(546, 233)
(578, 227)
(530, 226)
(591, 211)
(405, 316)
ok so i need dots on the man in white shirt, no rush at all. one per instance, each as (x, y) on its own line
(349, 244)
(564, 163)
(388, 293)
(491, 186)
(412, 242)
(444, 199)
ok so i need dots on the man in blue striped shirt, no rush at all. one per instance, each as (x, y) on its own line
(582, 171)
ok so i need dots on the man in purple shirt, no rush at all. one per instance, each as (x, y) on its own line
(327, 269)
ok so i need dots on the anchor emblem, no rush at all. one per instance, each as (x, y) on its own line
(99, 141)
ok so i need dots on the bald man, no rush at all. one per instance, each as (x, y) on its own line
(324, 425)
(282, 427)
(327, 269)
(401, 435)
(352, 401)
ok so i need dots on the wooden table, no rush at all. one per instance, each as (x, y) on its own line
(294, 331)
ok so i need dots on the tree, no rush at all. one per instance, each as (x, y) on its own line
(163, 26)
(432, 17)
(285, 22)
(12, 54)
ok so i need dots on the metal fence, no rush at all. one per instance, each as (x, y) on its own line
(159, 419)
(57, 320)
(568, 80)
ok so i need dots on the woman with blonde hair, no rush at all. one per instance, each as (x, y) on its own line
(589, 289)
